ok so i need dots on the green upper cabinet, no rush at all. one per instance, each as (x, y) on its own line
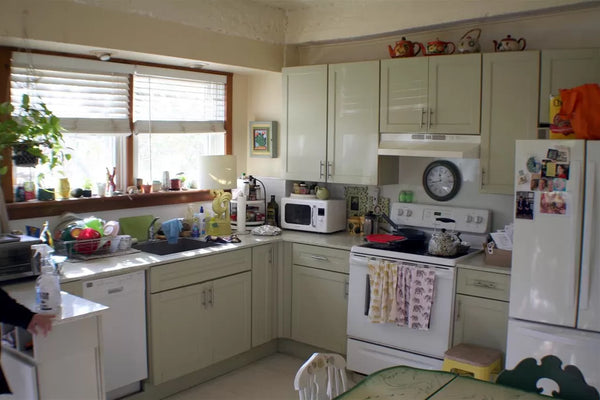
(304, 130)
(431, 94)
(509, 109)
(331, 122)
(565, 69)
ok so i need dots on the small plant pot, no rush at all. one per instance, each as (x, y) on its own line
(87, 192)
(46, 194)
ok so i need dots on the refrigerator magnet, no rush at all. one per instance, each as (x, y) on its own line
(562, 171)
(533, 165)
(559, 185)
(535, 181)
(525, 203)
(523, 177)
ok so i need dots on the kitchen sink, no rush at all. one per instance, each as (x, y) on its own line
(162, 247)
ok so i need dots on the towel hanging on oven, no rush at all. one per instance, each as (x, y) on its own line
(383, 276)
(414, 296)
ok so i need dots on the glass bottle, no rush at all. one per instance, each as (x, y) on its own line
(273, 212)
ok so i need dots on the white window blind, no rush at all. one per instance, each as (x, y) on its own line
(84, 94)
(179, 104)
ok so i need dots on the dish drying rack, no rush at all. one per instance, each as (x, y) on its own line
(88, 249)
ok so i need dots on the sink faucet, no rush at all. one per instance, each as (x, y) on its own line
(151, 229)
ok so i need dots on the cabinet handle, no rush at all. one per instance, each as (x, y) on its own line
(429, 118)
(320, 258)
(115, 290)
(423, 111)
(458, 307)
(484, 284)
(211, 297)
(270, 259)
(204, 298)
(329, 166)
(346, 288)
(321, 167)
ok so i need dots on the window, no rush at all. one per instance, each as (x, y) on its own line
(173, 114)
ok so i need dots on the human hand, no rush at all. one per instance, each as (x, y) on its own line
(43, 322)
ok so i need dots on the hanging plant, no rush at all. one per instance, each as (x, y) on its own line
(33, 132)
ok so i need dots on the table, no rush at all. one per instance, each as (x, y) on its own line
(407, 383)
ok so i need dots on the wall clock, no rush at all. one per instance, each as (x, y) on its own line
(441, 180)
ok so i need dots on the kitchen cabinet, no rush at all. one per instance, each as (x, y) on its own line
(320, 296)
(264, 287)
(509, 110)
(565, 69)
(431, 94)
(481, 308)
(200, 313)
(331, 122)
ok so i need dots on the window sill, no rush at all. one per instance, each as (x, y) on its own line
(34, 208)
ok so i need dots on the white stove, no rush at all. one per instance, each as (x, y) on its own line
(373, 346)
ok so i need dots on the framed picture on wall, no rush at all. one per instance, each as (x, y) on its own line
(263, 139)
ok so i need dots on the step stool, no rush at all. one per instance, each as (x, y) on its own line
(482, 362)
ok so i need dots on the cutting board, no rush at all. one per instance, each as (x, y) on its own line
(136, 227)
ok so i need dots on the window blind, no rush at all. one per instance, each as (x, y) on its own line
(178, 105)
(84, 94)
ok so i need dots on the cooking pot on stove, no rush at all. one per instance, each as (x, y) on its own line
(442, 242)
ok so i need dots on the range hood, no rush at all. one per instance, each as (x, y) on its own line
(429, 145)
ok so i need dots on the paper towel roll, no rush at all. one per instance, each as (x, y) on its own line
(241, 212)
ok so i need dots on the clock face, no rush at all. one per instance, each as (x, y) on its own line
(441, 180)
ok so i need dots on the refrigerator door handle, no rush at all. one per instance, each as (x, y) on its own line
(588, 235)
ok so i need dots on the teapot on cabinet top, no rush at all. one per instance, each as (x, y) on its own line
(510, 44)
(404, 48)
(469, 42)
(437, 47)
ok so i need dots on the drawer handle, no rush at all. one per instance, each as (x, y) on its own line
(115, 290)
(320, 258)
(484, 284)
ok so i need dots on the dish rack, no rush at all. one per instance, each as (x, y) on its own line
(87, 249)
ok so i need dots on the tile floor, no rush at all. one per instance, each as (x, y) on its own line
(271, 378)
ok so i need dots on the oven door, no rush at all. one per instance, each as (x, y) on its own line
(432, 343)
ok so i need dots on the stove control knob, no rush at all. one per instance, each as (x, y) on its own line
(469, 219)
(400, 212)
(479, 219)
(408, 212)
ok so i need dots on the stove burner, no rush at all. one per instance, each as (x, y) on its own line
(412, 248)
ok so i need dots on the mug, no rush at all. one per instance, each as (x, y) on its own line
(146, 188)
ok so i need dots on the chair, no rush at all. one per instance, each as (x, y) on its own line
(482, 362)
(570, 380)
(321, 377)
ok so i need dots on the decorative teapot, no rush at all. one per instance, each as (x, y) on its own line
(443, 243)
(437, 47)
(404, 48)
(321, 192)
(510, 44)
(469, 42)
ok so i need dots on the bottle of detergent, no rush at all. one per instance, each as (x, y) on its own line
(47, 285)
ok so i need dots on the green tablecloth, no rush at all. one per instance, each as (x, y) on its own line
(406, 383)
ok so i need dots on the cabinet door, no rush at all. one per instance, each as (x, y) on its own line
(481, 321)
(319, 308)
(454, 94)
(404, 95)
(509, 112)
(565, 69)
(353, 129)
(263, 294)
(305, 122)
(180, 339)
(230, 315)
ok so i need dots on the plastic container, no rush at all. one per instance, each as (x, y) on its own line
(202, 222)
(47, 285)
(241, 212)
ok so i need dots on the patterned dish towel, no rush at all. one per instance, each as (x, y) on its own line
(383, 277)
(414, 296)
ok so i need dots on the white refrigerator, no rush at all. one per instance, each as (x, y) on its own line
(555, 277)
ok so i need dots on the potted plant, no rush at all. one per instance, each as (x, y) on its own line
(33, 132)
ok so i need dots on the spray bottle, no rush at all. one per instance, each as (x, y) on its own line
(47, 285)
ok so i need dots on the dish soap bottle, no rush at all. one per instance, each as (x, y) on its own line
(47, 285)
(273, 212)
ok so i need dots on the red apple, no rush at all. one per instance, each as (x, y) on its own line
(87, 241)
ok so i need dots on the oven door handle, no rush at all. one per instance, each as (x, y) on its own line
(367, 294)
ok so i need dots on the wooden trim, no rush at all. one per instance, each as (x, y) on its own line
(129, 140)
(5, 56)
(36, 209)
(229, 116)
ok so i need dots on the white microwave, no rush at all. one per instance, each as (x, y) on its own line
(313, 215)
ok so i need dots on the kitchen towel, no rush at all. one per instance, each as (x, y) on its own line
(414, 296)
(171, 229)
(136, 227)
(383, 276)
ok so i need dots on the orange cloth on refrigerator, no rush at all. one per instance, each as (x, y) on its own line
(581, 105)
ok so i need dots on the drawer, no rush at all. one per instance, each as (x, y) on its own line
(483, 284)
(201, 269)
(321, 257)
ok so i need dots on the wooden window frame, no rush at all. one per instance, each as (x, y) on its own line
(33, 209)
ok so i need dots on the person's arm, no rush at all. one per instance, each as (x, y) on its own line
(12, 312)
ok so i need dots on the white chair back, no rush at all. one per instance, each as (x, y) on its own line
(322, 377)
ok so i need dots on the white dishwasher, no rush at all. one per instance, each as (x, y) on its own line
(123, 330)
